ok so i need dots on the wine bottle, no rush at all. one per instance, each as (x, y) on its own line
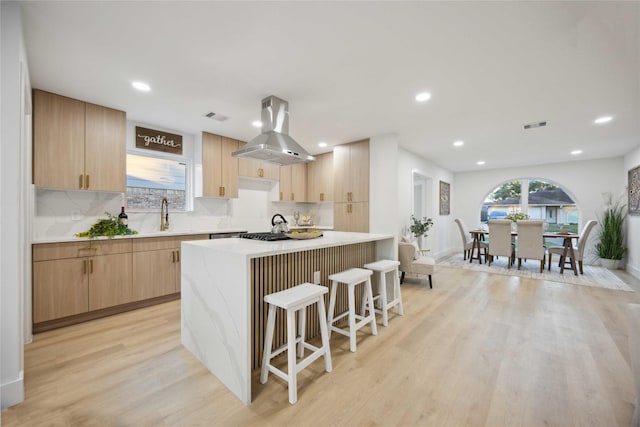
(124, 218)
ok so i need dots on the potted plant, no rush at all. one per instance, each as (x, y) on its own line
(419, 228)
(514, 217)
(610, 246)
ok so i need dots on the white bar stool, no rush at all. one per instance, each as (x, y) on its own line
(295, 299)
(351, 278)
(385, 267)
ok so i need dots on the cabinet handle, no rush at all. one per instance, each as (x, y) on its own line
(322, 197)
(260, 172)
(86, 182)
(90, 266)
(349, 208)
(80, 182)
(292, 196)
(84, 266)
(223, 191)
(178, 256)
(173, 256)
(281, 197)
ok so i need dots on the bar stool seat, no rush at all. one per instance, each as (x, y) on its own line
(385, 267)
(351, 278)
(295, 299)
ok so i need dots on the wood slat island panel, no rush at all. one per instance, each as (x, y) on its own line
(276, 273)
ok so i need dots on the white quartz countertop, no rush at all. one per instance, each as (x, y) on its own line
(167, 233)
(258, 248)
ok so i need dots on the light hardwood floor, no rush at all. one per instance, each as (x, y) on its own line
(478, 349)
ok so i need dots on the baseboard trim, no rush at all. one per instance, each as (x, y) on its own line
(91, 315)
(12, 392)
(635, 272)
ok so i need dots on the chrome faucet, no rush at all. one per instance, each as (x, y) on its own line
(164, 215)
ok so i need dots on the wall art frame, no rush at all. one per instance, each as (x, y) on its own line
(633, 186)
(445, 198)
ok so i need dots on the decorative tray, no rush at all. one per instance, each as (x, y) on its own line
(304, 233)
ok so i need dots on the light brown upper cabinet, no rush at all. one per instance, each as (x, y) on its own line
(293, 182)
(320, 178)
(219, 168)
(351, 172)
(351, 187)
(77, 145)
(258, 168)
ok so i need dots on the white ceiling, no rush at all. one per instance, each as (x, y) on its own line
(350, 70)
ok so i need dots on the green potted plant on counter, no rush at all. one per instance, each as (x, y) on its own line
(610, 246)
(419, 228)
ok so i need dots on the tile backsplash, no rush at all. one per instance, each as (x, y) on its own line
(61, 213)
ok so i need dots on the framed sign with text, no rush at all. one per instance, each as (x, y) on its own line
(445, 201)
(156, 140)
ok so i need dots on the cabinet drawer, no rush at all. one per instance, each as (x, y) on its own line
(48, 251)
(160, 243)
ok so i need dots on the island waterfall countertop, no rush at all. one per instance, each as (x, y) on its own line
(224, 282)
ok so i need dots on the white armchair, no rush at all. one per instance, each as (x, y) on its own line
(530, 241)
(412, 262)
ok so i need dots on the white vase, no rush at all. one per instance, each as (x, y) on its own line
(420, 241)
(609, 264)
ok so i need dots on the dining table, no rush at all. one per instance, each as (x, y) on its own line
(478, 235)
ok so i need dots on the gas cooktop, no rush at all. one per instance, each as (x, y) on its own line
(267, 237)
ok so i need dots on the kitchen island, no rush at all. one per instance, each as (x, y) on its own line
(224, 282)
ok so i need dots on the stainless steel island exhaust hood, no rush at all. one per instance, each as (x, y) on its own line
(274, 143)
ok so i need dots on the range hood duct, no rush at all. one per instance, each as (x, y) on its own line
(274, 143)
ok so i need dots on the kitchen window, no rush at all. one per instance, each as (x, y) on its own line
(150, 179)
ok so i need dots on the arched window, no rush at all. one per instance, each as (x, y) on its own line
(536, 198)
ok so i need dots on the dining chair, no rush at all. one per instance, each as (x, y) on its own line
(530, 241)
(500, 243)
(467, 242)
(578, 251)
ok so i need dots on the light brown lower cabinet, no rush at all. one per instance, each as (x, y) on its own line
(78, 281)
(156, 265)
(155, 273)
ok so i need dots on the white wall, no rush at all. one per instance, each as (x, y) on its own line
(383, 184)
(585, 181)
(440, 236)
(631, 161)
(13, 193)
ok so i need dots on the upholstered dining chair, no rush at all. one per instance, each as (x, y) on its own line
(530, 241)
(500, 243)
(467, 242)
(578, 251)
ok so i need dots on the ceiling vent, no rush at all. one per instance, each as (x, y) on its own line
(535, 125)
(217, 117)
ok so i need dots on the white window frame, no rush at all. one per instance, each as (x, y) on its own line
(188, 205)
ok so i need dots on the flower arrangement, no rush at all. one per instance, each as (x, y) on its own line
(517, 216)
(419, 227)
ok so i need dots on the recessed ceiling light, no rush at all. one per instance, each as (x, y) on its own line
(422, 97)
(256, 123)
(601, 120)
(322, 144)
(141, 86)
(480, 163)
(458, 143)
(576, 152)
